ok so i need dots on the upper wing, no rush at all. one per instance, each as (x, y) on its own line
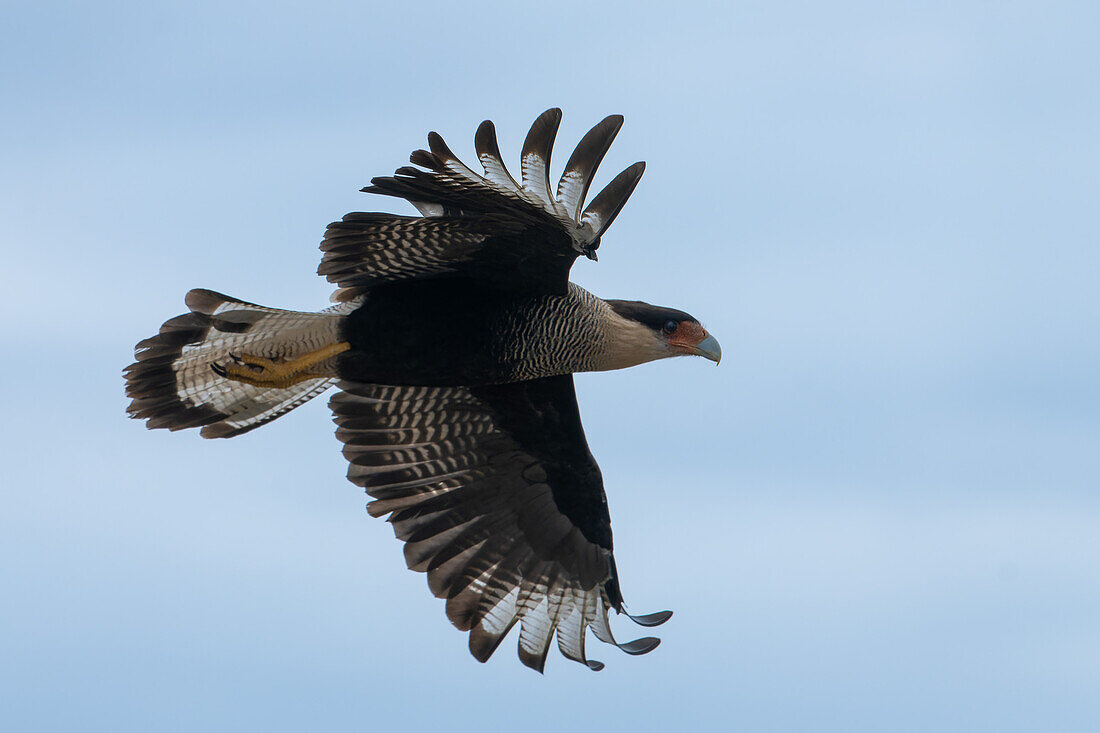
(497, 497)
(487, 227)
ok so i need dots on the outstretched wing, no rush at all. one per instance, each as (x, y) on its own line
(487, 227)
(498, 499)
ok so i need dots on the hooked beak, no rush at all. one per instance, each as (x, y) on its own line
(691, 338)
(709, 348)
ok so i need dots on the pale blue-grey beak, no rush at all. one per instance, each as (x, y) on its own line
(708, 348)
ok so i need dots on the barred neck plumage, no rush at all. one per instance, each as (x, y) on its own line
(576, 332)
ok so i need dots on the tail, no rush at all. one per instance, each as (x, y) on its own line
(172, 385)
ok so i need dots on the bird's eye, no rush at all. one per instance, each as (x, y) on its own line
(670, 327)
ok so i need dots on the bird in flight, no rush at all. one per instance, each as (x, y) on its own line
(452, 344)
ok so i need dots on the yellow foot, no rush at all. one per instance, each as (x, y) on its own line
(263, 372)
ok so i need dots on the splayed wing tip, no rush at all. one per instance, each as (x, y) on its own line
(599, 215)
(640, 646)
(448, 184)
(583, 163)
(651, 619)
(537, 151)
(439, 147)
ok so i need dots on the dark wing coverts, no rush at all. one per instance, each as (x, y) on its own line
(499, 501)
(486, 227)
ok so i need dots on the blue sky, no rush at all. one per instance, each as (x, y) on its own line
(879, 513)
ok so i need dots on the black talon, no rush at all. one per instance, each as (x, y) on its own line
(234, 357)
(218, 369)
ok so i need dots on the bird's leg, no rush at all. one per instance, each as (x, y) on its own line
(263, 372)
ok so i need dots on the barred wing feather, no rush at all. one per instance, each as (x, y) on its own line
(498, 499)
(489, 227)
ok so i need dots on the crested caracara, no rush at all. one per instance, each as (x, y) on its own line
(452, 346)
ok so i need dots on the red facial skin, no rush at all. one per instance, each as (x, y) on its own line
(687, 336)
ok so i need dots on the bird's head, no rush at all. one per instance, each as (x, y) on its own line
(657, 333)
